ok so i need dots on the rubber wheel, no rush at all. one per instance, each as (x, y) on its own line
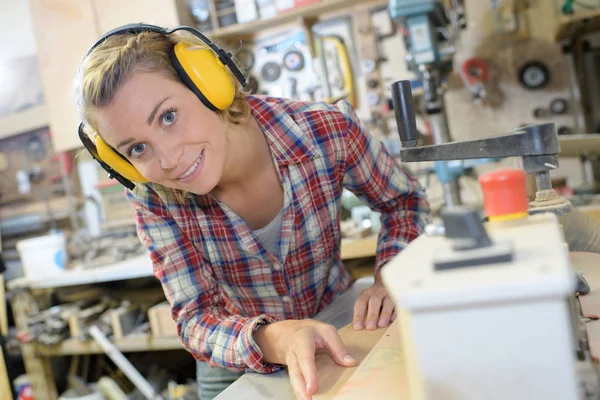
(534, 75)
(558, 106)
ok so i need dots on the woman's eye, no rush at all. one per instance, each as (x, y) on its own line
(168, 118)
(137, 150)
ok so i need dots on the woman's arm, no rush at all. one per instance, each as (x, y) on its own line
(379, 180)
(197, 305)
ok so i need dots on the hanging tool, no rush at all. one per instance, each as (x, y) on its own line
(293, 60)
(341, 53)
(271, 71)
(475, 73)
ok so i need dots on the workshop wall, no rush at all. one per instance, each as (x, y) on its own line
(468, 120)
(16, 30)
(506, 54)
(20, 81)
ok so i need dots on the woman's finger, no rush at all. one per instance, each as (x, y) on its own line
(386, 312)
(296, 378)
(373, 312)
(360, 309)
(305, 354)
(338, 350)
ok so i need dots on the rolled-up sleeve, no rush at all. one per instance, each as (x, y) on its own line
(380, 181)
(206, 329)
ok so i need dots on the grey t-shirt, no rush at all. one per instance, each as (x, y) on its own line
(270, 234)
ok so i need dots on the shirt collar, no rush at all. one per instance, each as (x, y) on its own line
(288, 143)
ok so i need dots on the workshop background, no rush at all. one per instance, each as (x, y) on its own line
(71, 259)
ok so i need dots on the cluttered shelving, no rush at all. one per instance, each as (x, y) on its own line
(292, 15)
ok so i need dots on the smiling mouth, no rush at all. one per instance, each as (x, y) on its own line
(192, 168)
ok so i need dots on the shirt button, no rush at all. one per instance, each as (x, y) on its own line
(286, 298)
(277, 267)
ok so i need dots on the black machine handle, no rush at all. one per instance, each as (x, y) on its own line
(404, 108)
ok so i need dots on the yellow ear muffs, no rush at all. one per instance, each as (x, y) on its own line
(203, 72)
(118, 163)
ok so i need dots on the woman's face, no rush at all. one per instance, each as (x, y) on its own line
(166, 132)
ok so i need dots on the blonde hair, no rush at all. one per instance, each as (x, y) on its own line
(111, 64)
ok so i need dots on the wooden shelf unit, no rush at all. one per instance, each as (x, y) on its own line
(312, 11)
(131, 344)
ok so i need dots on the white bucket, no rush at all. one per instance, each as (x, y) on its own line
(43, 255)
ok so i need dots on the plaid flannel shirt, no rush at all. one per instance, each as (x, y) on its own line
(222, 284)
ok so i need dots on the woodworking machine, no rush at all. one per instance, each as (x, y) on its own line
(487, 305)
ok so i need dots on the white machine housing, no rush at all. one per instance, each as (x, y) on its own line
(498, 331)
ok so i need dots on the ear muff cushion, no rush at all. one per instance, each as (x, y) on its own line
(116, 162)
(207, 73)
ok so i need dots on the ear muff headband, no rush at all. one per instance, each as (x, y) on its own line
(202, 71)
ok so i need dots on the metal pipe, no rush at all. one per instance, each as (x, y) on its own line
(123, 363)
(452, 194)
(543, 181)
(441, 134)
(439, 127)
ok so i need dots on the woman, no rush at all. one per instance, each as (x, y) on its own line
(241, 208)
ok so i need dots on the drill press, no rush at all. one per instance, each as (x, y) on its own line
(429, 33)
(537, 145)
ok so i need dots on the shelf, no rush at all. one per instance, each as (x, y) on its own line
(578, 24)
(141, 267)
(574, 145)
(132, 268)
(24, 121)
(310, 11)
(127, 345)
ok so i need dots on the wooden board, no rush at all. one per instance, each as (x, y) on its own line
(381, 375)
(333, 376)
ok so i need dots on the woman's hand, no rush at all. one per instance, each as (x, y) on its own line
(376, 305)
(294, 344)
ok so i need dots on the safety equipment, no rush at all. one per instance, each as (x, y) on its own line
(201, 70)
